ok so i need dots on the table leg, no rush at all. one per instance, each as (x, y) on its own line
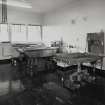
(101, 63)
(79, 67)
(94, 67)
(79, 70)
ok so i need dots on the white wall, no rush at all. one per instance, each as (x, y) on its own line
(21, 16)
(88, 15)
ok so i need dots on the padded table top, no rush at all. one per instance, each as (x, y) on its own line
(75, 58)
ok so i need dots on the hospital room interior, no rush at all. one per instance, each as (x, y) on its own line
(52, 52)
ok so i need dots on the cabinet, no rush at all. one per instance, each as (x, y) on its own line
(96, 44)
(7, 51)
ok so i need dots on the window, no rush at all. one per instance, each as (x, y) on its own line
(18, 33)
(4, 35)
(34, 33)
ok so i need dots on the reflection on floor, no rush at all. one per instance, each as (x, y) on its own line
(12, 92)
(9, 82)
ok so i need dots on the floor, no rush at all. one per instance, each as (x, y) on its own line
(11, 88)
(9, 81)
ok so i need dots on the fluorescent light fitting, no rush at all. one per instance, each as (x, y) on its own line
(18, 4)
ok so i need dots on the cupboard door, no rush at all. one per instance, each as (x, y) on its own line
(6, 50)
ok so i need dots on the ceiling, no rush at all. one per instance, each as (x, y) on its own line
(42, 6)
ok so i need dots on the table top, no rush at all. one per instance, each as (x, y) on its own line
(75, 58)
(37, 52)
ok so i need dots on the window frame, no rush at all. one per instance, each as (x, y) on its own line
(26, 25)
(41, 38)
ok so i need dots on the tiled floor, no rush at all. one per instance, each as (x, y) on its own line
(91, 94)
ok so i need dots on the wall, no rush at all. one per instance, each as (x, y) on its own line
(74, 21)
(22, 16)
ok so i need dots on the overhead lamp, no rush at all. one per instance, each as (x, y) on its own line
(21, 4)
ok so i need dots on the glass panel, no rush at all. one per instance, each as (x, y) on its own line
(18, 33)
(4, 35)
(34, 33)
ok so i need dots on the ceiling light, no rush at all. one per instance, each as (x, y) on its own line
(21, 4)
